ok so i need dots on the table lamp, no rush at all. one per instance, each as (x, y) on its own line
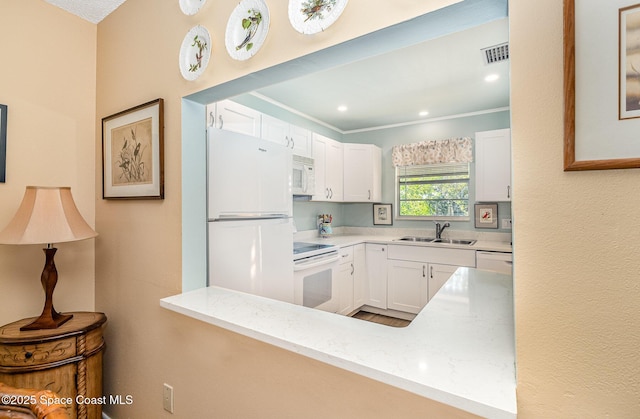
(47, 215)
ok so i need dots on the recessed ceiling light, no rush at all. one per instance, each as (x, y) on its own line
(423, 113)
(342, 108)
(491, 77)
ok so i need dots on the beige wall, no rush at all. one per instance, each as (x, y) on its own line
(47, 79)
(577, 285)
(577, 264)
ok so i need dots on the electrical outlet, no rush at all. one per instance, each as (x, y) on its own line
(167, 398)
(506, 224)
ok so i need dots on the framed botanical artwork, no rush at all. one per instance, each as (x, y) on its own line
(382, 214)
(486, 215)
(3, 143)
(133, 153)
(601, 84)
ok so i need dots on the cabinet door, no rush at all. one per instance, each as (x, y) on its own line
(438, 276)
(407, 286)
(493, 165)
(345, 287)
(274, 130)
(362, 173)
(319, 150)
(231, 116)
(300, 141)
(328, 160)
(334, 170)
(376, 285)
(359, 276)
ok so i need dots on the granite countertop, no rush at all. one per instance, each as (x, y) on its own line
(459, 350)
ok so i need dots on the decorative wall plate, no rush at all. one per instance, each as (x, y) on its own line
(313, 16)
(195, 52)
(191, 7)
(247, 29)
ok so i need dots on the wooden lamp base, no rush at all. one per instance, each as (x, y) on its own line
(50, 318)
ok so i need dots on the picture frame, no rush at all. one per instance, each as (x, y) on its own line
(3, 143)
(629, 65)
(486, 215)
(597, 135)
(133, 153)
(382, 214)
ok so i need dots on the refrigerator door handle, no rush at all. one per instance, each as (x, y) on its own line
(256, 216)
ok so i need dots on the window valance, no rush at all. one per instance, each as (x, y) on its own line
(451, 150)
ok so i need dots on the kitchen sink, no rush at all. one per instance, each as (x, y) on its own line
(433, 240)
(417, 239)
(453, 241)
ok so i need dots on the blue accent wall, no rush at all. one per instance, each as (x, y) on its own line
(361, 215)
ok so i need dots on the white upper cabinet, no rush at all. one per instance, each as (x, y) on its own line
(231, 116)
(275, 130)
(362, 173)
(493, 165)
(297, 139)
(328, 161)
(300, 141)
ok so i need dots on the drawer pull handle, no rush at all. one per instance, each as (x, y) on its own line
(28, 355)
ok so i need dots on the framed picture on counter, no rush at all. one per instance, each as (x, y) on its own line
(382, 214)
(486, 215)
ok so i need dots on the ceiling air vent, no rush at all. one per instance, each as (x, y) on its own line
(496, 54)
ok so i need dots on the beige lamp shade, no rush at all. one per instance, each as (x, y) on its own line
(46, 215)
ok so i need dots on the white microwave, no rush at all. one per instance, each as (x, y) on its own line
(304, 176)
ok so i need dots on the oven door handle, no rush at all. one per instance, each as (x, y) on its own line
(303, 266)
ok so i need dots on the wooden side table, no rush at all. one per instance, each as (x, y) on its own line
(66, 360)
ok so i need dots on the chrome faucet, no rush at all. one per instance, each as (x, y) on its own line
(440, 228)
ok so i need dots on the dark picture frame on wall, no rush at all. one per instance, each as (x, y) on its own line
(486, 215)
(3, 143)
(133, 153)
(602, 75)
(382, 214)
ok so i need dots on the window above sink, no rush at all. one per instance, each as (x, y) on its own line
(433, 191)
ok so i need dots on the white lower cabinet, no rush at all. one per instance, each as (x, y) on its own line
(395, 277)
(411, 285)
(438, 276)
(416, 273)
(376, 284)
(359, 276)
(407, 285)
(346, 271)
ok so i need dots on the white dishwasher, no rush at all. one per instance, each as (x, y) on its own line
(495, 261)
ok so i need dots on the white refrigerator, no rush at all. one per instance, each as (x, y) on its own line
(250, 229)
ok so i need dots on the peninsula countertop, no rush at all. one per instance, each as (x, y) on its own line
(459, 350)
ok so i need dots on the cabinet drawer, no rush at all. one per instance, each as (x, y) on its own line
(38, 353)
(447, 256)
(346, 254)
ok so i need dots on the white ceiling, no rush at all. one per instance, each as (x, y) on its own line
(92, 10)
(444, 76)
